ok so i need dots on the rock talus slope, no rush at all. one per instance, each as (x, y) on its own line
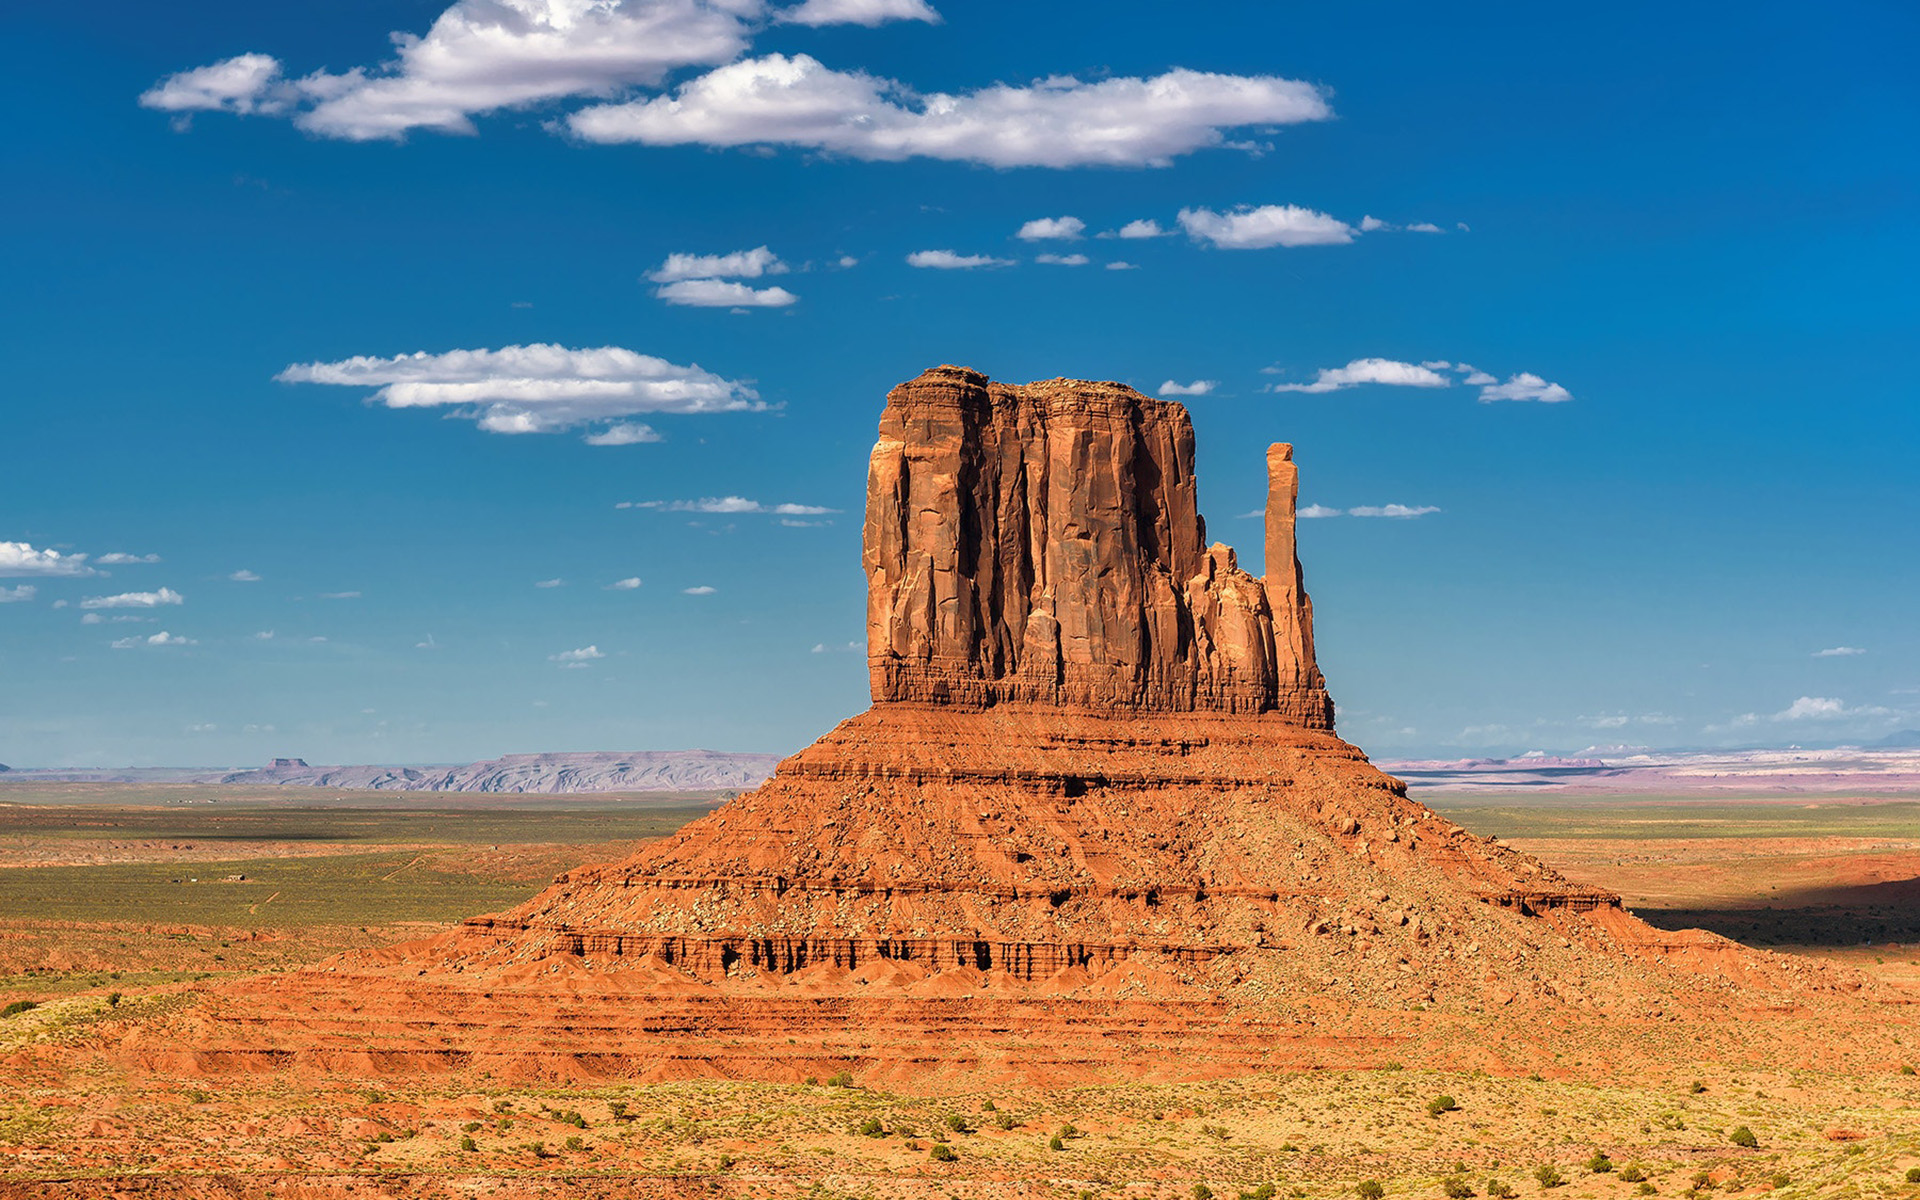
(1097, 819)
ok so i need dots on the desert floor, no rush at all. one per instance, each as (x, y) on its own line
(120, 904)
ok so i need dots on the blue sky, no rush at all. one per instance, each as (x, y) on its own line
(247, 243)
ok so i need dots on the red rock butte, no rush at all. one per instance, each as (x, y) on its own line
(1097, 820)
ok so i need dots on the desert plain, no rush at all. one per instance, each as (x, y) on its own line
(128, 906)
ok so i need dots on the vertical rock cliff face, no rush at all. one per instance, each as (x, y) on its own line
(1041, 544)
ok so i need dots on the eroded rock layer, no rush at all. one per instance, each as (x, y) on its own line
(1041, 544)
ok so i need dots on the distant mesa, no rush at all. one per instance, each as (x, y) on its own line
(285, 764)
(1096, 821)
(549, 774)
(1906, 739)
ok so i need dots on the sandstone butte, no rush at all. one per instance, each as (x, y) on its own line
(1097, 823)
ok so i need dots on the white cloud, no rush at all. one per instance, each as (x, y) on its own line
(135, 599)
(1268, 225)
(1056, 122)
(339, 595)
(478, 56)
(1524, 386)
(18, 595)
(858, 12)
(1369, 370)
(1839, 652)
(626, 433)
(1310, 512)
(1122, 266)
(701, 590)
(1373, 224)
(576, 658)
(845, 648)
(1198, 387)
(1392, 510)
(429, 644)
(19, 559)
(1823, 708)
(847, 262)
(947, 260)
(549, 583)
(163, 638)
(728, 505)
(624, 585)
(244, 576)
(1424, 227)
(1062, 260)
(1370, 223)
(117, 559)
(1144, 228)
(265, 635)
(540, 388)
(1041, 229)
(92, 618)
(723, 293)
(741, 264)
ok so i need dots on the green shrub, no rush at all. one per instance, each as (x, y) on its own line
(986, 1105)
(956, 1123)
(1441, 1104)
(1456, 1187)
(942, 1153)
(1913, 1174)
(470, 1127)
(1701, 1181)
(574, 1143)
(1633, 1174)
(1645, 1189)
(467, 1143)
(1003, 1120)
(1056, 1143)
(1742, 1136)
(1548, 1175)
(1498, 1190)
(871, 1127)
(843, 1080)
(19, 1006)
(1369, 1189)
(1201, 1191)
(1697, 1087)
(1600, 1164)
(1906, 1068)
(1780, 1179)
(113, 999)
(1265, 1191)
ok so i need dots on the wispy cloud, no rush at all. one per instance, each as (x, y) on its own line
(741, 264)
(18, 595)
(244, 576)
(1310, 512)
(1431, 374)
(1839, 652)
(549, 583)
(838, 648)
(1042, 229)
(117, 558)
(1143, 228)
(1062, 260)
(164, 596)
(1117, 265)
(1372, 224)
(19, 559)
(699, 590)
(858, 12)
(948, 260)
(723, 293)
(624, 585)
(163, 638)
(728, 505)
(627, 433)
(576, 658)
(1198, 387)
(1263, 227)
(540, 388)
(1525, 386)
(339, 595)
(1398, 511)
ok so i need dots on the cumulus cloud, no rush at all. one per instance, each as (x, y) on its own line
(1524, 386)
(477, 57)
(741, 264)
(1310, 512)
(624, 585)
(700, 590)
(777, 100)
(1373, 224)
(117, 559)
(1821, 708)
(1369, 370)
(723, 293)
(729, 505)
(19, 559)
(858, 12)
(549, 583)
(1042, 229)
(164, 596)
(576, 658)
(541, 388)
(1062, 260)
(1198, 387)
(163, 638)
(1268, 225)
(947, 260)
(244, 576)
(1144, 228)
(1122, 266)
(18, 595)
(1839, 652)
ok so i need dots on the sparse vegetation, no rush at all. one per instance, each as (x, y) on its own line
(1441, 1104)
(1456, 1187)
(1498, 1190)
(18, 1007)
(1369, 1189)
(1743, 1136)
(1599, 1164)
(942, 1152)
(1548, 1176)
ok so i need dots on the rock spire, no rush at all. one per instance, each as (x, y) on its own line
(1041, 544)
